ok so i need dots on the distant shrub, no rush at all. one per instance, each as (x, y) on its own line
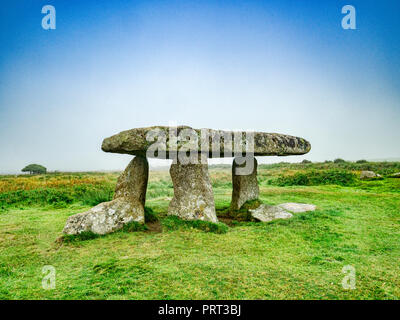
(174, 223)
(34, 169)
(361, 161)
(305, 161)
(338, 160)
(318, 177)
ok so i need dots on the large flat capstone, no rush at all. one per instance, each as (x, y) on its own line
(165, 142)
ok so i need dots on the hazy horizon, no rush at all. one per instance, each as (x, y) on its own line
(274, 66)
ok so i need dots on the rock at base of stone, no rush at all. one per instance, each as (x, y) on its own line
(245, 185)
(297, 207)
(127, 205)
(266, 213)
(104, 218)
(365, 175)
(193, 195)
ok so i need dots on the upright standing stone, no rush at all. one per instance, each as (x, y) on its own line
(127, 205)
(132, 183)
(244, 181)
(193, 196)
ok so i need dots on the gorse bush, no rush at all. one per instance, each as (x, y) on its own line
(317, 177)
(28, 182)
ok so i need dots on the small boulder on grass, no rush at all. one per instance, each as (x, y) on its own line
(370, 175)
(266, 213)
(297, 207)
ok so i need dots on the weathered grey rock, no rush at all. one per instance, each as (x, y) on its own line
(193, 196)
(104, 218)
(244, 181)
(297, 207)
(210, 142)
(266, 213)
(132, 183)
(365, 175)
(127, 205)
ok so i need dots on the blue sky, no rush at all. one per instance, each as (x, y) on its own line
(275, 66)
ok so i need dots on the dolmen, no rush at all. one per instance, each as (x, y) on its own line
(190, 150)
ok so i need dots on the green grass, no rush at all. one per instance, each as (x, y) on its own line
(70, 238)
(174, 223)
(299, 258)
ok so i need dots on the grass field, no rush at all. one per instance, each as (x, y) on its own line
(357, 223)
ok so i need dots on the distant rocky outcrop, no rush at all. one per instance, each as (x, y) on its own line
(370, 175)
(395, 175)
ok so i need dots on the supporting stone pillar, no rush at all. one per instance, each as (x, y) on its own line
(127, 205)
(193, 196)
(244, 181)
(132, 183)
